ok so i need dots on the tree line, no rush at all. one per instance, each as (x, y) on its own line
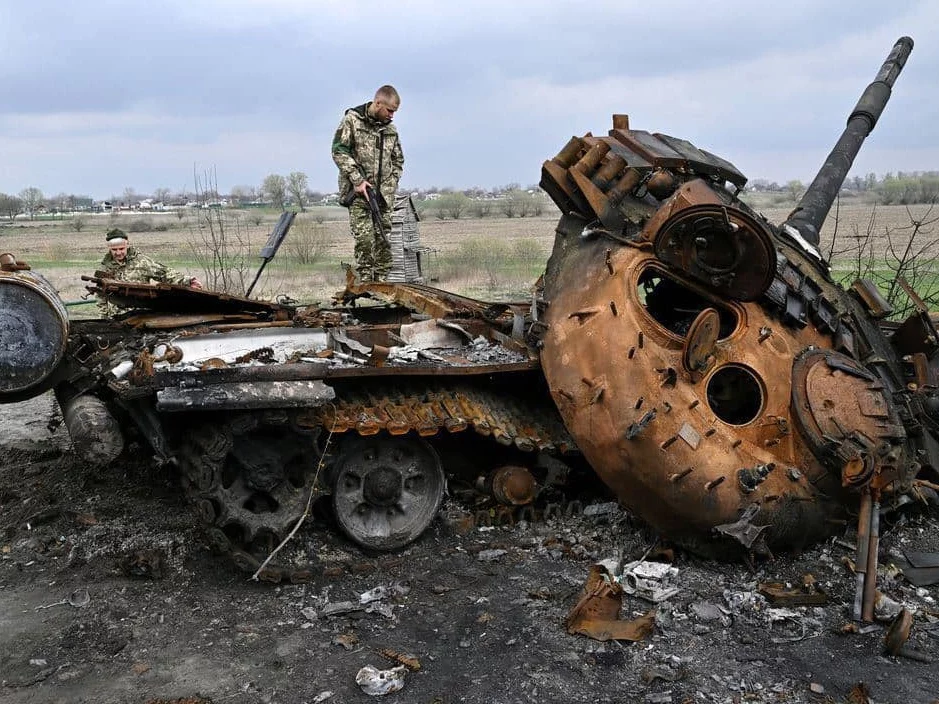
(901, 188)
(292, 190)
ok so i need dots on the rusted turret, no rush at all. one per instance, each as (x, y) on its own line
(706, 365)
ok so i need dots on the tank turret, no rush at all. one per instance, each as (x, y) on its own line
(709, 369)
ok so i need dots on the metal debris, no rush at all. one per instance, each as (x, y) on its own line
(596, 614)
(743, 529)
(649, 580)
(808, 593)
(376, 683)
(897, 636)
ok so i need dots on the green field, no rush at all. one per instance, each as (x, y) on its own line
(489, 258)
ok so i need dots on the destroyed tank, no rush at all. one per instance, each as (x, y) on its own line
(698, 358)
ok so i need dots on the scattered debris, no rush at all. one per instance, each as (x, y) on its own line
(897, 636)
(78, 598)
(604, 510)
(596, 614)
(923, 568)
(808, 593)
(885, 608)
(859, 694)
(375, 682)
(346, 640)
(649, 580)
(709, 611)
(409, 661)
(144, 564)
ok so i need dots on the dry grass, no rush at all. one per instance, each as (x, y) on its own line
(487, 258)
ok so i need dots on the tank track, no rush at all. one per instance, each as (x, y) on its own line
(302, 440)
(529, 423)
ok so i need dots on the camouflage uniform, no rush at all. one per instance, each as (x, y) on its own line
(136, 267)
(366, 149)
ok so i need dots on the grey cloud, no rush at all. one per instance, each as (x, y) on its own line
(489, 89)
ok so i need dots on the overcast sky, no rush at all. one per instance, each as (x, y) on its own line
(97, 96)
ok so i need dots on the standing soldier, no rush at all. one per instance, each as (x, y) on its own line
(368, 153)
(125, 263)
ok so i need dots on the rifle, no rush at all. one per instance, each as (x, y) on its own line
(375, 202)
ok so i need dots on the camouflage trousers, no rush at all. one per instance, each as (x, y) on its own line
(372, 253)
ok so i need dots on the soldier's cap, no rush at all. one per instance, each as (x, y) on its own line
(115, 234)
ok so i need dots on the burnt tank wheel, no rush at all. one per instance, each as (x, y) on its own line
(250, 480)
(386, 490)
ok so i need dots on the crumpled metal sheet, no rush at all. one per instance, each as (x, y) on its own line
(173, 298)
(596, 614)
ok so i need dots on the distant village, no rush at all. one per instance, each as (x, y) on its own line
(512, 200)
(31, 202)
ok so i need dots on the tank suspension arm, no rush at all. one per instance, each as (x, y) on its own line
(812, 209)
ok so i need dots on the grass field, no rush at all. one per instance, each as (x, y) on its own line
(490, 258)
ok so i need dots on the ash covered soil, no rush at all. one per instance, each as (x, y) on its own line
(85, 617)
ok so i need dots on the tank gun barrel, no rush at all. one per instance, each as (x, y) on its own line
(812, 209)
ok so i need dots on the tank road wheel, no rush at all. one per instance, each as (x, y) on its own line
(250, 480)
(387, 490)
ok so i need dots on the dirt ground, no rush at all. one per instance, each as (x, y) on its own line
(63, 255)
(481, 613)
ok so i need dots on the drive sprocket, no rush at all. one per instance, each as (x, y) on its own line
(251, 477)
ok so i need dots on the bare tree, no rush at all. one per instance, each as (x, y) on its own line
(885, 255)
(297, 184)
(515, 203)
(243, 194)
(31, 198)
(10, 206)
(795, 189)
(274, 188)
(220, 242)
(161, 195)
(129, 197)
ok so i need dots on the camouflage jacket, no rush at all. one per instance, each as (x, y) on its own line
(136, 267)
(366, 148)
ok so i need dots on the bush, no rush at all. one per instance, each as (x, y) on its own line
(481, 257)
(58, 251)
(481, 208)
(78, 223)
(307, 241)
(528, 252)
(144, 224)
(452, 205)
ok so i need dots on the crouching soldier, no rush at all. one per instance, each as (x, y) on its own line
(125, 263)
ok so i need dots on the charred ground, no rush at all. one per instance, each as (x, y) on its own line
(482, 611)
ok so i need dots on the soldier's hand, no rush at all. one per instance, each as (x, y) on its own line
(360, 189)
(195, 283)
